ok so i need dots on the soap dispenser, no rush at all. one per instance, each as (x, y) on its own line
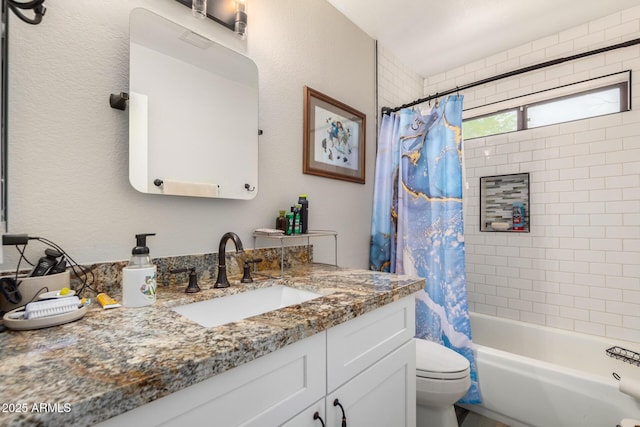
(139, 276)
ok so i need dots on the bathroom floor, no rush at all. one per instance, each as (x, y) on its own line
(470, 419)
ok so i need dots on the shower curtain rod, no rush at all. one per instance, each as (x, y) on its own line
(389, 110)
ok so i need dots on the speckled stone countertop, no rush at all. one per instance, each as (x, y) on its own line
(112, 361)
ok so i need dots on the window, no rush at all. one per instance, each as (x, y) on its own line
(594, 103)
(590, 98)
(491, 124)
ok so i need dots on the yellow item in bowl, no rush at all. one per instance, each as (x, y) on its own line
(64, 291)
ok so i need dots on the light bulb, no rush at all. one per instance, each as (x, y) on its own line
(240, 24)
(199, 8)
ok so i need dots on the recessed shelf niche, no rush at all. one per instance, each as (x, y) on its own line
(498, 194)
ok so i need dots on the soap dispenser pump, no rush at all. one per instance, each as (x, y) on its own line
(139, 276)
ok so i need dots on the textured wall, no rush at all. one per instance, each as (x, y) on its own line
(579, 268)
(68, 150)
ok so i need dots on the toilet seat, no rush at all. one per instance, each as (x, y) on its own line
(435, 361)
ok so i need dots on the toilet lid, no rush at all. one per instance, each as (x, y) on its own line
(436, 361)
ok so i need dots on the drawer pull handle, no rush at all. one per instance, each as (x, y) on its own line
(344, 417)
(317, 416)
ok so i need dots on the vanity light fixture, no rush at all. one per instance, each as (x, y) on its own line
(240, 24)
(230, 13)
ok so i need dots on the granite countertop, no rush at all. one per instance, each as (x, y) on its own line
(112, 361)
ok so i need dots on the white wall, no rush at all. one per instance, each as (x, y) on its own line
(68, 150)
(579, 268)
(397, 83)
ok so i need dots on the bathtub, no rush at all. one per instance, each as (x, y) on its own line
(533, 375)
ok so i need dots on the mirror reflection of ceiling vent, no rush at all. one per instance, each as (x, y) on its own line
(196, 40)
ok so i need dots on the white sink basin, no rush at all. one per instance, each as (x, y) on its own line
(219, 311)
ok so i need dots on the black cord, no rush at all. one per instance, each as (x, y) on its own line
(81, 272)
(22, 257)
(37, 294)
(85, 272)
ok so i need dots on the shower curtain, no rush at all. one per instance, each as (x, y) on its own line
(417, 226)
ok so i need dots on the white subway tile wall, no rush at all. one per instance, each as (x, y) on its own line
(579, 267)
(397, 83)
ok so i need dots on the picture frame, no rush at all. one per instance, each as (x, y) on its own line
(334, 143)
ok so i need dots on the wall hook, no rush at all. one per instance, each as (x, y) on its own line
(119, 102)
(249, 187)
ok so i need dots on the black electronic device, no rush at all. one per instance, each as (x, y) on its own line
(60, 267)
(46, 263)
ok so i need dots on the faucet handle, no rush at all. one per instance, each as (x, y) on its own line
(192, 287)
(246, 276)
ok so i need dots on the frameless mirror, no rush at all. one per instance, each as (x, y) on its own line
(193, 113)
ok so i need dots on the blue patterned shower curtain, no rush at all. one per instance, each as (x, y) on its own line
(417, 226)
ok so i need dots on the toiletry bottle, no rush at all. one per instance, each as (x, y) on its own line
(303, 201)
(139, 276)
(518, 216)
(296, 218)
(289, 218)
(281, 222)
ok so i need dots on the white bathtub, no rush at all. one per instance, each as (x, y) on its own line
(532, 375)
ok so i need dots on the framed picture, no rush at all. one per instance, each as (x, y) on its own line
(334, 138)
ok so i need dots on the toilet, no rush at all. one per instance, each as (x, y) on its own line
(442, 378)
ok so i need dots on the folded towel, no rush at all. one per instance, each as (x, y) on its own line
(177, 188)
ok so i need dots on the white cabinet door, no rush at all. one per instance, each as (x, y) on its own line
(359, 343)
(263, 392)
(383, 395)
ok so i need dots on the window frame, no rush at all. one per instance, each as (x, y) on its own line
(623, 89)
(623, 85)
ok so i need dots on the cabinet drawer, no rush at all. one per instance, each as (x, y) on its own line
(359, 343)
(262, 392)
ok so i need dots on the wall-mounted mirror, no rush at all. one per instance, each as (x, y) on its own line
(193, 113)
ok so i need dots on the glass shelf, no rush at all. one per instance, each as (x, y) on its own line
(286, 239)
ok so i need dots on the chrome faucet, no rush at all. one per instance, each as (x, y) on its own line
(222, 281)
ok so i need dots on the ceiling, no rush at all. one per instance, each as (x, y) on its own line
(434, 36)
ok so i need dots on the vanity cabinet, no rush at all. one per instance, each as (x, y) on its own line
(382, 395)
(371, 371)
(367, 363)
